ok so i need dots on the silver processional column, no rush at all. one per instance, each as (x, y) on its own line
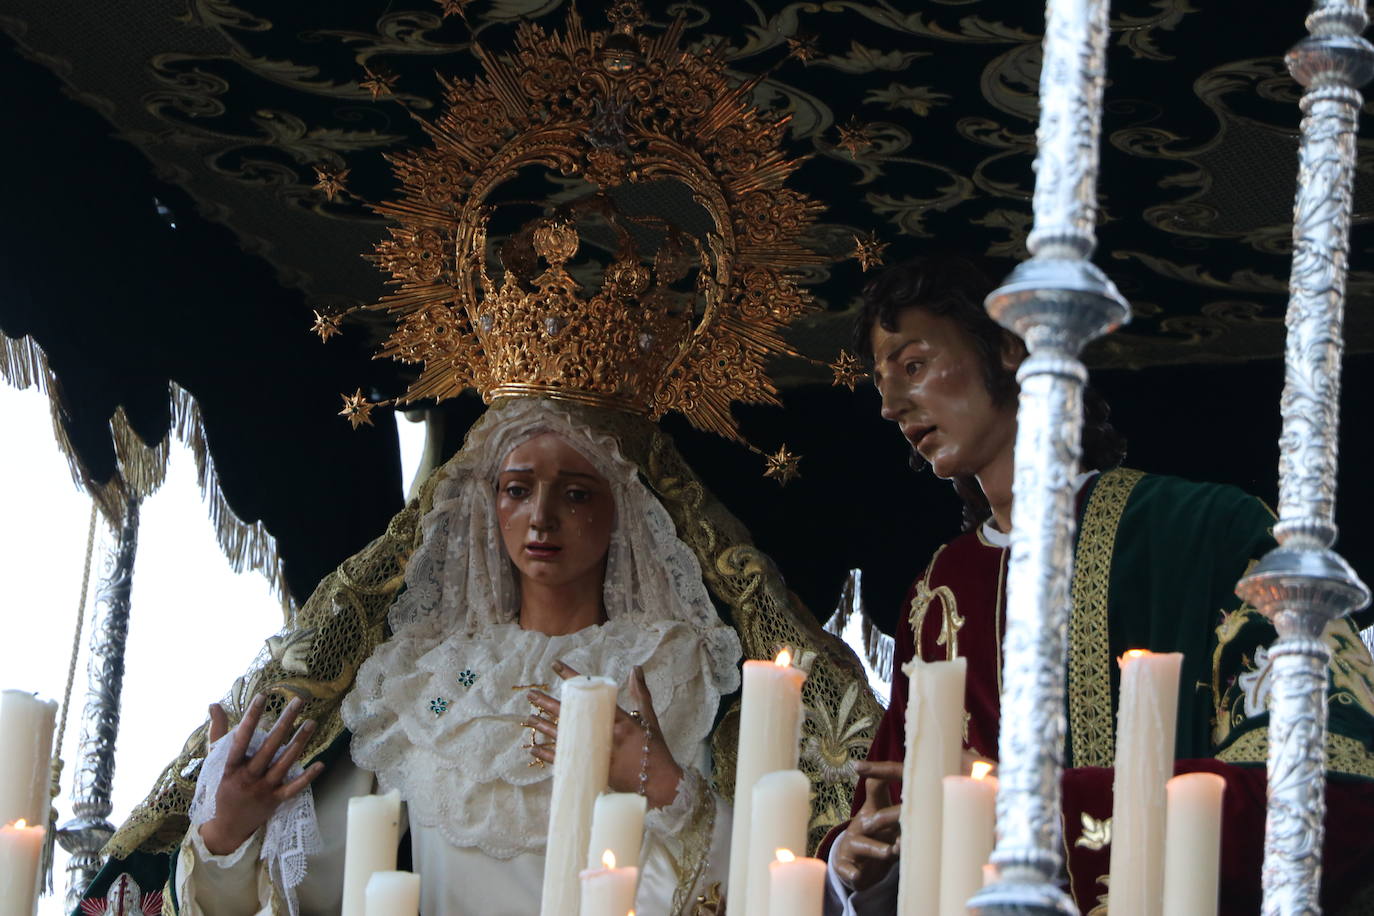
(89, 829)
(1303, 585)
(1057, 301)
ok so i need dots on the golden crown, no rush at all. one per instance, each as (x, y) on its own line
(682, 310)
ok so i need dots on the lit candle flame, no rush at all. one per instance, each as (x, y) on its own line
(785, 855)
(1131, 655)
(21, 824)
(784, 659)
(608, 859)
(980, 769)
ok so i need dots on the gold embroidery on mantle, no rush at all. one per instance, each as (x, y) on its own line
(1101, 908)
(1343, 754)
(920, 602)
(1090, 688)
(1097, 834)
(950, 622)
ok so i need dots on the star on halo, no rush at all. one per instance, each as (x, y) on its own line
(782, 466)
(357, 408)
(847, 369)
(326, 325)
(457, 8)
(854, 137)
(330, 181)
(868, 250)
(803, 47)
(378, 83)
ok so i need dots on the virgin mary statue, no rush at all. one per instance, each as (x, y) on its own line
(566, 536)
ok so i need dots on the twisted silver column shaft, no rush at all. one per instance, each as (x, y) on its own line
(1303, 584)
(89, 829)
(1057, 301)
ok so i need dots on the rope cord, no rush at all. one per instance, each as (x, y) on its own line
(55, 789)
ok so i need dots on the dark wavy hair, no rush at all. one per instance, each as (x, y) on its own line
(954, 286)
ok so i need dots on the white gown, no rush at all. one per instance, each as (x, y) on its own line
(475, 811)
(455, 882)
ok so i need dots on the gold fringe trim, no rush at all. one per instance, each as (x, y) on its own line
(141, 469)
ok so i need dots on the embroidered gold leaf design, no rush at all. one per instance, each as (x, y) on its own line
(292, 650)
(1352, 671)
(838, 738)
(1097, 834)
(1101, 908)
(863, 59)
(916, 99)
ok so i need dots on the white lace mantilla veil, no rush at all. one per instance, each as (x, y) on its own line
(436, 710)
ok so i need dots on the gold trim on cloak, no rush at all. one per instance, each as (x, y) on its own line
(1343, 754)
(1090, 687)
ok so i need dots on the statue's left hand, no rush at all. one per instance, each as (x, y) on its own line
(633, 768)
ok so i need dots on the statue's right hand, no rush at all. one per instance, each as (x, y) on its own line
(255, 785)
(866, 850)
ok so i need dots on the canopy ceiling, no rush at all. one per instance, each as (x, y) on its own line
(919, 124)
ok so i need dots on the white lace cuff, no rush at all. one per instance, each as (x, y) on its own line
(291, 836)
(249, 847)
(672, 819)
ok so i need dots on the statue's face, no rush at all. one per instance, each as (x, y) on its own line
(556, 512)
(933, 387)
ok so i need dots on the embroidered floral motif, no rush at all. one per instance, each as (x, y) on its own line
(438, 706)
(838, 738)
(1096, 834)
(467, 677)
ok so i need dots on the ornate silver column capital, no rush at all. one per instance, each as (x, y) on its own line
(1058, 305)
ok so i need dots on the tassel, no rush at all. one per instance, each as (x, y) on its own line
(49, 859)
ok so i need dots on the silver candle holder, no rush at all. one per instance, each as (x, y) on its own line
(1303, 585)
(1057, 301)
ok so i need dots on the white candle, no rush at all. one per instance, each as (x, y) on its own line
(1144, 762)
(617, 825)
(374, 832)
(21, 848)
(393, 893)
(968, 823)
(781, 814)
(934, 741)
(608, 891)
(26, 724)
(582, 762)
(1192, 846)
(769, 738)
(796, 887)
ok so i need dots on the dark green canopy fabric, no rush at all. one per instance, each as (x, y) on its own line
(220, 112)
